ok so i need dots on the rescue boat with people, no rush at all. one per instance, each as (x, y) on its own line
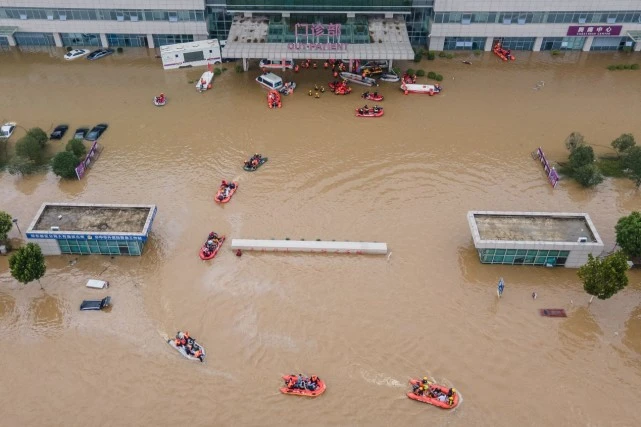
(287, 88)
(375, 96)
(339, 87)
(370, 112)
(249, 168)
(358, 79)
(205, 81)
(320, 388)
(433, 400)
(214, 252)
(225, 191)
(273, 99)
(504, 54)
(160, 101)
(409, 79)
(424, 89)
(195, 347)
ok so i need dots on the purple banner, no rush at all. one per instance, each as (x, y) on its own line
(553, 177)
(594, 30)
(82, 167)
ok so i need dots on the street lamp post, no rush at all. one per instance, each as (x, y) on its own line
(15, 221)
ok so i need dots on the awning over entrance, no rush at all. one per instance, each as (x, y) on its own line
(249, 39)
(8, 31)
(635, 35)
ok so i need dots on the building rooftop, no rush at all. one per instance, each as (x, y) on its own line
(93, 218)
(534, 226)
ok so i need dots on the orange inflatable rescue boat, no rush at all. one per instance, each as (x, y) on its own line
(273, 99)
(427, 398)
(289, 389)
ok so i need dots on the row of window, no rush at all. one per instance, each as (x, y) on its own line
(345, 5)
(523, 257)
(103, 247)
(101, 14)
(537, 17)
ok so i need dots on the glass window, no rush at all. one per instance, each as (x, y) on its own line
(173, 17)
(500, 252)
(510, 252)
(521, 251)
(498, 259)
(509, 259)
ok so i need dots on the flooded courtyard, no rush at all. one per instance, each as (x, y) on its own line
(364, 324)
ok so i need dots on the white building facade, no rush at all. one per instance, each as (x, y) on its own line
(588, 25)
(113, 23)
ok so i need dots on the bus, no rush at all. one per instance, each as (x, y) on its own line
(191, 54)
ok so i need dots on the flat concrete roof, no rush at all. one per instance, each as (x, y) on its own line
(93, 218)
(310, 246)
(532, 226)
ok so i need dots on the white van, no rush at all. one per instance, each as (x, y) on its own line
(269, 63)
(97, 284)
(270, 81)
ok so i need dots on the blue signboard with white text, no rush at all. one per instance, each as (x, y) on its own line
(80, 236)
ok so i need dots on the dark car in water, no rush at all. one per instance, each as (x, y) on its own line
(96, 132)
(100, 53)
(80, 133)
(59, 132)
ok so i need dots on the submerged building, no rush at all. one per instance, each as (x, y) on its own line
(382, 26)
(534, 238)
(84, 228)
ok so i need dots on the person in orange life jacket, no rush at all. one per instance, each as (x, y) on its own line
(291, 382)
(313, 383)
(212, 236)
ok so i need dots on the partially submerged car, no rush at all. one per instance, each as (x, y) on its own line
(100, 53)
(96, 132)
(80, 133)
(59, 132)
(95, 304)
(7, 130)
(76, 53)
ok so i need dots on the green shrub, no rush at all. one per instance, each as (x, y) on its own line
(442, 54)
(29, 148)
(556, 52)
(588, 175)
(119, 50)
(39, 135)
(477, 52)
(410, 71)
(634, 66)
(612, 67)
(77, 148)
(626, 66)
(450, 56)
(431, 56)
(620, 66)
(420, 73)
(239, 69)
(64, 164)
(417, 57)
(582, 155)
(431, 75)
(217, 71)
(438, 78)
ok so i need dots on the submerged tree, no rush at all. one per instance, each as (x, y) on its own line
(28, 264)
(77, 148)
(628, 230)
(6, 224)
(573, 141)
(39, 136)
(602, 278)
(632, 164)
(623, 143)
(64, 164)
(20, 165)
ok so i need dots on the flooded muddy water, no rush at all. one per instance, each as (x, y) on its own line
(365, 324)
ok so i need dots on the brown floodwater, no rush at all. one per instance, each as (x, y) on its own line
(365, 324)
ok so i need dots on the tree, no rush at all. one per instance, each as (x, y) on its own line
(588, 175)
(574, 140)
(39, 135)
(632, 164)
(628, 231)
(64, 164)
(28, 264)
(77, 148)
(20, 165)
(581, 156)
(30, 148)
(6, 225)
(602, 278)
(623, 143)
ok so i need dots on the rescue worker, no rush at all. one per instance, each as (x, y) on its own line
(450, 396)
(212, 236)
(313, 383)
(291, 382)
(310, 92)
(322, 89)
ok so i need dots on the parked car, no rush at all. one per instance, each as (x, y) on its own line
(76, 53)
(80, 133)
(96, 132)
(100, 53)
(7, 130)
(59, 132)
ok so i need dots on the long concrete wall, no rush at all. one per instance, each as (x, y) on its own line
(310, 246)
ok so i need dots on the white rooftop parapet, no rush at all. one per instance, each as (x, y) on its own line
(310, 246)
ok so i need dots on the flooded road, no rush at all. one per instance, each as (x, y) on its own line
(365, 324)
